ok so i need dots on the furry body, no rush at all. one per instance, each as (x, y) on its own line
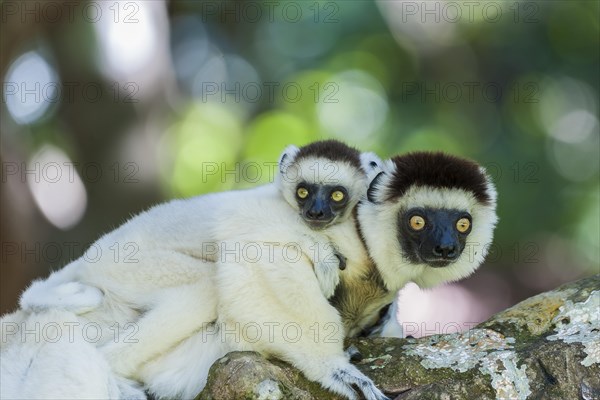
(203, 276)
(422, 180)
(51, 355)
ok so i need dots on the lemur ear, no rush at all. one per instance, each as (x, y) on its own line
(371, 164)
(287, 157)
(373, 188)
(489, 185)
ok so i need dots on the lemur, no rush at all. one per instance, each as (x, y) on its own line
(428, 218)
(184, 281)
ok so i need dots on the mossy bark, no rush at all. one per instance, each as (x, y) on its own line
(546, 347)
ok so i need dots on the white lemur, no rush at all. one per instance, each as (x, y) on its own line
(192, 272)
(429, 219)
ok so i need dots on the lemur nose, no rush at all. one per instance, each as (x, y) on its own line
(445, 251)
(315, 214)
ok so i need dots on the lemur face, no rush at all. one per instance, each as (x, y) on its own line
(321, 205)
(433, 236)
(430, 218)
(324, 180)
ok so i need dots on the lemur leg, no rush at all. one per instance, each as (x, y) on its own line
(177, 313)
(61, 291)
(53, 358)
(76, 297)
(278, 309)
(182, 372)
(388, 325)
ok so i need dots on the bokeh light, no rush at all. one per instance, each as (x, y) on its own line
(204, 146)
(356, 108)
(56, 187)
(203, 96)
(30, 88)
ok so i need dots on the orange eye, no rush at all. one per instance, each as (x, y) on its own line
(463, 225)
(302, 193)
(417, 222)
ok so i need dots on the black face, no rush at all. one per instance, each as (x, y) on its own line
(435, 237)
(320, 204)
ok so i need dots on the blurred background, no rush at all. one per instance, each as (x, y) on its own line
(110, 107)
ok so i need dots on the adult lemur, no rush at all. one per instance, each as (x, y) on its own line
(429, 219)
(235, 260)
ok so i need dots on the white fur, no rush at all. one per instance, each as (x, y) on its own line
(379, 222)
(188, 269)
(371, 164)
(392, 327)
(50, 356)
(182, 372)
(73, 296)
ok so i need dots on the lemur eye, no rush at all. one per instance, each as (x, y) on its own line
(417, 222)
(302, 193)
(338, 195)
(463, 225)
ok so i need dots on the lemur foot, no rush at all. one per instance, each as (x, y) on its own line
(342, 379)
(76, 297)
(354, 354)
